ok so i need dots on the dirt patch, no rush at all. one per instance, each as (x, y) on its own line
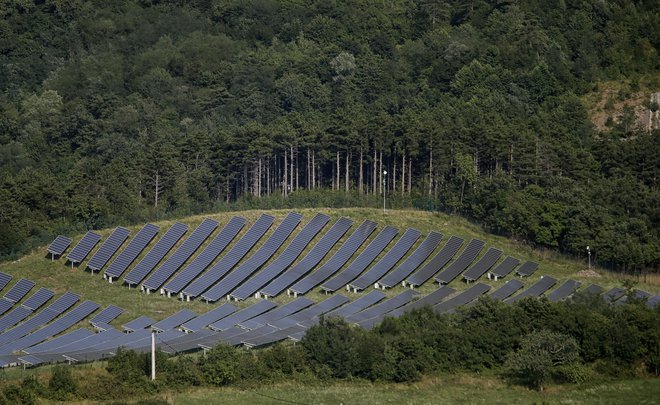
(588, 274)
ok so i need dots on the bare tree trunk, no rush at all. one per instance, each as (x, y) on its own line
(313, 169)
(291, 182)
(286, 175)
(375, 165)
(157, 190)
(394, 175)
(227, 184)
(361, 177)
(337, 171)
(409, 175)
(511, 159)
(403, 174)
(297, 167)
(346, 175)
(309, 172)
(380, 173)
(431, 170)
(268, 176)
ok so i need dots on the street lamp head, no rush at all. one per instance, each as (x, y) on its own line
(385, 172)
(587, 248)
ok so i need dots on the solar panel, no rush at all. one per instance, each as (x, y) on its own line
(59, 245)
(183, 253)
(527, 269)
(273, 337)
(251, 265)
(63, 323)
(538, 288)
(614, 294)
(242, 315)
(482, 265)
(174, 320)
(635, 294)
(564, 290)
(31, 360)
(284, 260)
(208, 318)
(108, 248)
(508, 289)
(365, 258)
(311, 260)
(427, 300)
(82, 248)
(453, 270)
(387, 262)
(463, 298)
(12, 318)
(85, 344)
(4, 280)
(66, 301)
(276, 314)
(127, 256)
(5, 305)
(107, 315)
(434, 265)
(350, 308)
(208, 255)
(318, 309)
(59, 341)
(653, 302)
(187, 342)
(383, 307)
(504, 268)
(593, 289)
(19, 290)
(337, 261)
(231, 259)
(138, 323)
(156, 254)
(241, 335)
(42, 296)
(413, 261)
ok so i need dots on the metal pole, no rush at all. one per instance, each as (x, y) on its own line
(589, 256)
(153, 355)
(384, 188)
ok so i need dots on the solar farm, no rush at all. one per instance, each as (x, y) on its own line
(253, 279)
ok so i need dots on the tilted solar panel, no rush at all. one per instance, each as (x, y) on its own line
(66, 301)
(504, 268)
(140, 322)
(5, 305)
(538, 288)
(108, 248)
(365, 258)
(614, 294)
(564, 290)
(318, 309)
(508, 289)
(337, 261)
(273, 337)
(482, 265)
(208, 318)
(13, 317)
(311, 260)
(107, 315)
(242, 315)
(127, 256)
(463, 298)
(276, 314)
(593, 289)
(438, 262)
(387, 262)
(412, 262)
(42, 296)
(82, 248)
(174, 320)
(19, 290)
(251, 265)
(527, 269)
(4, 280)
(383, 307)
(461, 263)
(349, 309)
(59, 245)
(156, 254)
(208, 255)
(284, 260)
(60, 341)
(231, 259)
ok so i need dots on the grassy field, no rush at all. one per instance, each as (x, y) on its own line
(60, 277)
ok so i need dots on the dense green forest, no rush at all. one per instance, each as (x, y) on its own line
(123, 111)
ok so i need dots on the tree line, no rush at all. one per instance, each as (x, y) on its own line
(141, 109)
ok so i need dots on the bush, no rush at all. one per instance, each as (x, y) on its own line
(62, 385)
(220, 366)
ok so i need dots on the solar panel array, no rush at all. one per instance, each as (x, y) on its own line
(208, 255)
(156, 254)
(337, 261)
(131, 252)
(140, 322)
(245, 270)
(365, 258)
(19, 290)
(59, 245)
(463, 298)
(13, 317)
(242, 315)
(231, 259)
(504, 268)
(183, 253)
(383, 307)
(208, 318)
(4, 280)
(108, 248)
(174, 320)
(38, 299)
(593, 289)
(82, 248)
(527, 269)
(614, 294)
(284, 260)
(469, 254)
(311, 260)
(107, 315)
(276, 314)
(483, 265)
(507, 290)
(438, 262)
(388, 261)
(538, 288)
(564, 290)
(413, 261)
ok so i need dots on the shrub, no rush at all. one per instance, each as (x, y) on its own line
(62, 385)
(220, 366)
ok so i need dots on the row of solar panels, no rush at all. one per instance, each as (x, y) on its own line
(260, 324)
(237, 277)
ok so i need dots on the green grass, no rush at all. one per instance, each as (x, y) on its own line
(56, 275)
(450, 389)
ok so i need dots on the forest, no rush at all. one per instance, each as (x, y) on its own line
(124, 111)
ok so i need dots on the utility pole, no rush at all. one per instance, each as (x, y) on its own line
(153, 355)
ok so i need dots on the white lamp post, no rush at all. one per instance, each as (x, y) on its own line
(384, 188)
(589, 256)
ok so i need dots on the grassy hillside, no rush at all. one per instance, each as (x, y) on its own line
(60, 277)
